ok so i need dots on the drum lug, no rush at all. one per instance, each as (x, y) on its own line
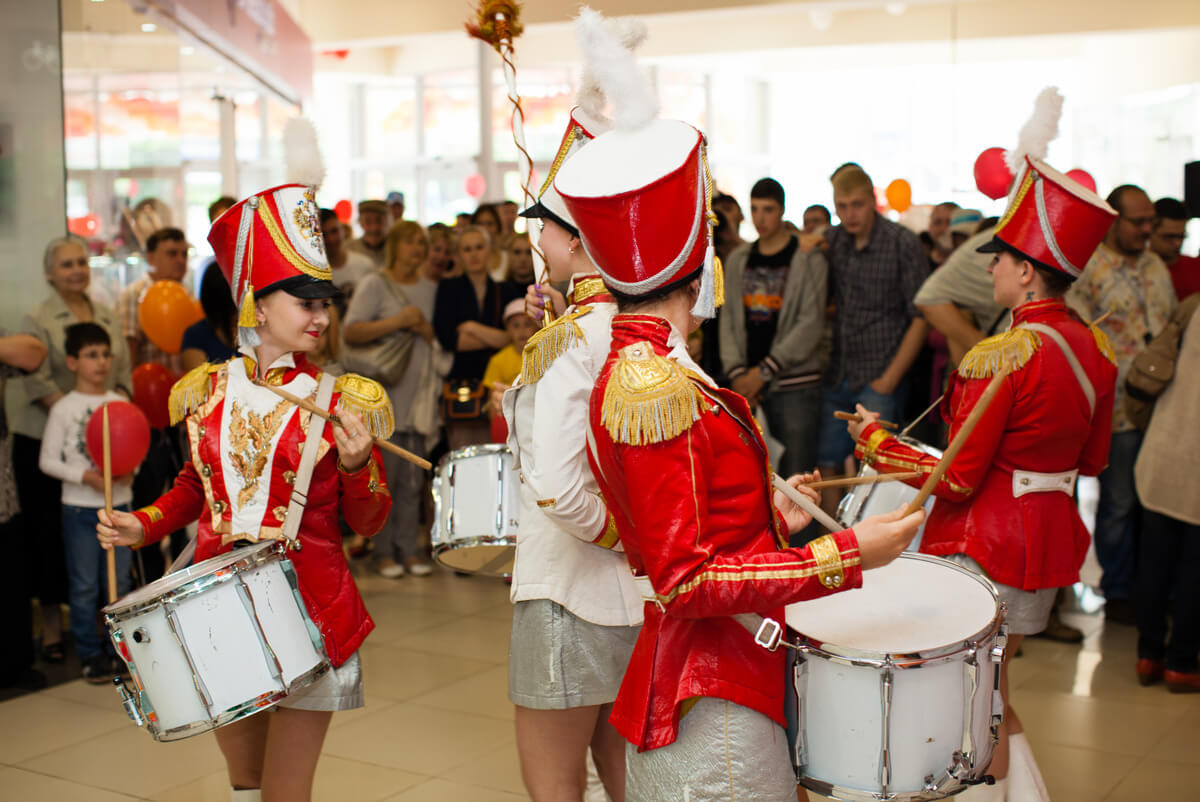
(127, 701)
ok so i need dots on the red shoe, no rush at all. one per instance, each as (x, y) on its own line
(1149, 671)
(1180, 682)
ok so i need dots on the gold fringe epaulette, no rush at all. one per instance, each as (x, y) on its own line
(367, 398)
(1104, 344)
(190, 392)
(548, 344)
(649, 398)
(1014, 347)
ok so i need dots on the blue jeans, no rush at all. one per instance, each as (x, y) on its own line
(87, 577)
(1118, 515)
(794, 418)
(836, 444)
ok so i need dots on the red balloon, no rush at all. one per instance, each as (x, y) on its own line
(344, 210)
(992, 175)
(152, 384)
(475, 185)
(128, 435)
(1083, 178)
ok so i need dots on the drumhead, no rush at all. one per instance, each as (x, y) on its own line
(182, 577)
(917, 603)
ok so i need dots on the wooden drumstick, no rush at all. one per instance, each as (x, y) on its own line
(111, 557)
(851, 481)
(856, 418)
(805, 503)
(959, 439)
(386, 445)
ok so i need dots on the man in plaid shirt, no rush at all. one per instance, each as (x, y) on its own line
(166, 259)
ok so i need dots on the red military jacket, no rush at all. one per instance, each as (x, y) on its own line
(256, 452)
(683, 469)
(1039, 422)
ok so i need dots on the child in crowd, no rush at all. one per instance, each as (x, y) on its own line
(505, 365)
(64, 455)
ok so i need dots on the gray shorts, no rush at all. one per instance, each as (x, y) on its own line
(1028, 610)
(340, 688)
(556, 660)
(723, 752)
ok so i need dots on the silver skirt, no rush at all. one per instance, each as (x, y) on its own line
(556, 660)
(723, 752)
(1028, 610)
(340, 688)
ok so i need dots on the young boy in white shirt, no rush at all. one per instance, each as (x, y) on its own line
(64, 455)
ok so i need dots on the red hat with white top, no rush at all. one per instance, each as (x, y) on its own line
(582, 128)
(1052, 221)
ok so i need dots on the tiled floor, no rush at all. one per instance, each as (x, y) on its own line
(438, 728)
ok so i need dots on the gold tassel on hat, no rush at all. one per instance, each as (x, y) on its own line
(549, 343)
(247, 319)
(649, 399)
(718, 282)
(1014, 347)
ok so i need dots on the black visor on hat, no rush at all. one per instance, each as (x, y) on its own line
(539, 211)
(997, 245)
(305, 287)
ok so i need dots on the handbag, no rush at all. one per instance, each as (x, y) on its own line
(1154, 367)
(387, 358)
(464, 399)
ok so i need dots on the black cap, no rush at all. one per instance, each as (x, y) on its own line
(997, 245)
(302, 286)
(539, 211)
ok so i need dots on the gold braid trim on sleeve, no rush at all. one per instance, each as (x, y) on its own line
(153, 513)
(830, 569)
(649, 398)
(366, 397)
(190, 392)
(873, 442)
(548, 344)
(610, 537)
(1015, 346)
(1103, 343)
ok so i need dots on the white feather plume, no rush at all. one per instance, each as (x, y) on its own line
(612, 72)
(1041, 129)
(302, 153)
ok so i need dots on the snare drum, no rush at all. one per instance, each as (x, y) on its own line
(897, 683)
(864, 501)
(215, 642)
(477, 503)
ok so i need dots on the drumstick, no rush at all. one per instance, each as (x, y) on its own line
(855, 417)
(386, 445)
(959, 439)
(850, 481)
(111, 557)
(805, 503)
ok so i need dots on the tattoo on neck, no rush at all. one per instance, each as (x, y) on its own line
(1028, 296)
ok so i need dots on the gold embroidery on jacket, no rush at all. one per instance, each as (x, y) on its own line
(250, 439)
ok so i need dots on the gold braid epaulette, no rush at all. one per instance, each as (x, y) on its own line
(1015, 347)
(1103, 343)
(190, 392)
(367, 398)
(548, 344)
(649, 398)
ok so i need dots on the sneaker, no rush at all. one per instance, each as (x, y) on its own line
(97, 671)
(1182, 681)
(418, 567)
(1149, 671)
(390, 569)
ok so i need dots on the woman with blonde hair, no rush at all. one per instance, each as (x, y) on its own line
(398, 301)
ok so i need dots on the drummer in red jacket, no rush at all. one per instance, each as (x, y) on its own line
(246, 444)
(1011, 513)
(684, 472)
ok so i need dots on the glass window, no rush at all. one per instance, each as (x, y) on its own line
(79, 113)
(390, 131)
(451, 115)
(546, 99)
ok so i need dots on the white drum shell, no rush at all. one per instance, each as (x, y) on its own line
(477, 503)
(863, 501)
(216, 642)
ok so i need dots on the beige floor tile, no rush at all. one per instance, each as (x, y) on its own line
(1117, 727)
(396, 619)
(394, 673)
(130, 761)
(485, 693)
(418, 739)
(497, 769)
(84, 693)
(1180, 743)
(338, 780)
(1155, 780)
(28, 786)
(374, 704)
(470, 637)
(39, 723)
(1111, 679)
(1073, 772)
(445, 791)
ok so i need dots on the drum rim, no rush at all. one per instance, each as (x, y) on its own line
(252, 556)
(472, 542)
(466, 452)
(911, 660)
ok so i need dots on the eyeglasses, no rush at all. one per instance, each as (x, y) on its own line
(1140, 222)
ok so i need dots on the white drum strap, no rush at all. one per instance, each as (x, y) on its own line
(1085, 383)
(308, 460)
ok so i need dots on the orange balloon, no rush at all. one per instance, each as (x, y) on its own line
(165, 313)
(899, 195)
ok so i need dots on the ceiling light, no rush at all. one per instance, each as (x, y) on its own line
(149, 27)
